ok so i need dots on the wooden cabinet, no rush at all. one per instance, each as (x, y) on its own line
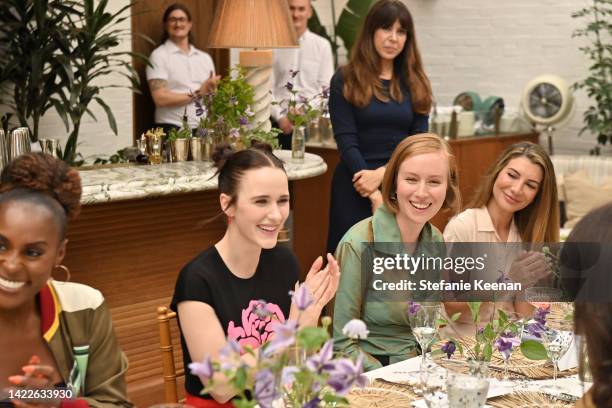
(474, 156)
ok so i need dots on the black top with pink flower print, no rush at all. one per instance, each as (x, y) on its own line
(207, 279)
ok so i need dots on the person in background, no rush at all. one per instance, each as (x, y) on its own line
(54, 333)
(313, 62)
(217, 293)
(179, 72)
(420, 179)
(381, 96)
(586, 259)
(515, 202)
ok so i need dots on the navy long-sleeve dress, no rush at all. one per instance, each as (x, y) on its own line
(366, 139)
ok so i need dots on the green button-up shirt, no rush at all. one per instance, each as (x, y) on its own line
(390, 332)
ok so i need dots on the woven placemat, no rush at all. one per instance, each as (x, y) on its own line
(518, 365)
(379, 397)
(527, 400)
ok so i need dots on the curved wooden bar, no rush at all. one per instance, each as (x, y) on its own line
(138, 227)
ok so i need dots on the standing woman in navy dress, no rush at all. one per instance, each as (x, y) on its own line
(381, 96)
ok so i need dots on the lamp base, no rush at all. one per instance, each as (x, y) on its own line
(258, 73)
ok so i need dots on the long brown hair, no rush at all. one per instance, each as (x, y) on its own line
(361, 74)
(539, 221)
(588, 257)
(413, 146)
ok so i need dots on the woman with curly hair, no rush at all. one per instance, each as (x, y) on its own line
(59, 334)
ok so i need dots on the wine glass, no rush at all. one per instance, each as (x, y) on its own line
(424, 323)
(557, 337)
(541, 296)
(433, 385)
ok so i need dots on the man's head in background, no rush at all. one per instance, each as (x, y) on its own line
(301, 11)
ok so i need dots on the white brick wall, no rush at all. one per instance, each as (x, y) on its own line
(495, 48)
(491, 47)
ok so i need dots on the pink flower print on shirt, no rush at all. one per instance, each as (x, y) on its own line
(255, 330)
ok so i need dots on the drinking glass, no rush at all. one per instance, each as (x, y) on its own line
(466, 391)
(424, 324)
(541, 296)
(557, 338)
(433, 385)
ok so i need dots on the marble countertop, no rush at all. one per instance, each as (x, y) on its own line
(132, 182)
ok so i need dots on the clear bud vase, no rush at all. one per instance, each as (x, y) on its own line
(298, 143)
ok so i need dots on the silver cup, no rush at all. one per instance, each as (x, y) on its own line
(3, 150)
(49, 146)
(19, 142)
(195, 145)
(180, 149)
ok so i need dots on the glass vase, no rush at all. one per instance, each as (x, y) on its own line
(298, 143)
(478, 368)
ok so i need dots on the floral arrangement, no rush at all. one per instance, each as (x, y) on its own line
(299, 109)
(296, 364)
(502, 334)
(229, 115)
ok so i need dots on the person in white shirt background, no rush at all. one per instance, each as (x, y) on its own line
(179, 71)
(314, 61)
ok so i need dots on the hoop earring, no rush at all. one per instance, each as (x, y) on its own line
(65, 269)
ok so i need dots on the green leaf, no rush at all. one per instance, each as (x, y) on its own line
(455, 316)
(487, 352)
(533, 350)
(111, 118)
(312, 338)
(474, 311)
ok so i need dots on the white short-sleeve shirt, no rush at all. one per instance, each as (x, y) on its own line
(315, 63)
(475, 225)
(184, 72)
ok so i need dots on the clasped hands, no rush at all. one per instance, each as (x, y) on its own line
(529, 267)
(366, 183)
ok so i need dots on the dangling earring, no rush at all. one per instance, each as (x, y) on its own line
(66, 270)
(393, 196)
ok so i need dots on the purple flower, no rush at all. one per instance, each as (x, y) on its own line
(345, 374)
(540, 314)
(413, 308)
(284, 336)
(289, 86)
(243, 120)
(321, 360)
(302, 99)
(262, 310)
(301, 297)
(202, 369)
(265, 390)
(449, 348)
(355, 329)
(199, 109)
(534, 331)
(313, 403)
(234, 133)
(293, 73)
(229, 356)
(325, 91)
(202, 132)
(505, 342)
(288, 375)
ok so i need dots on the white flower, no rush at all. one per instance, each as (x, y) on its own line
(355, 329)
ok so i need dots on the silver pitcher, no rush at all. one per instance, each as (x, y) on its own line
(3, 150)
(49, 146)
(19, 142)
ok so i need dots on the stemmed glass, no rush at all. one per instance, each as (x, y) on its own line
(541, 296)
(433, 385)
(557, 338)
(424, 323)
(508, 341)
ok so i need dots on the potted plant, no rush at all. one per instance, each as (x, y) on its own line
(598, 84)
(179, 143)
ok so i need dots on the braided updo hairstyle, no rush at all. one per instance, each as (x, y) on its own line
(232, 165)
(41, 179)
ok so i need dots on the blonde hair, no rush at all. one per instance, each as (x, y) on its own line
(413, 146)
(539, 221)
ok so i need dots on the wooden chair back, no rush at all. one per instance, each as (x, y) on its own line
(170, 373)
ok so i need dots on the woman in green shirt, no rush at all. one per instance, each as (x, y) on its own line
(419, 180)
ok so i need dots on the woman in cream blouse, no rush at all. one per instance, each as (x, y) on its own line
(516, 202)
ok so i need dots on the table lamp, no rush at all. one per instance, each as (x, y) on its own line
(260, 25)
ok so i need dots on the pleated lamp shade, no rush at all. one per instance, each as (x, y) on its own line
(252, 24)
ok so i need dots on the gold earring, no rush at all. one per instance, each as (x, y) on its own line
(65, 269)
